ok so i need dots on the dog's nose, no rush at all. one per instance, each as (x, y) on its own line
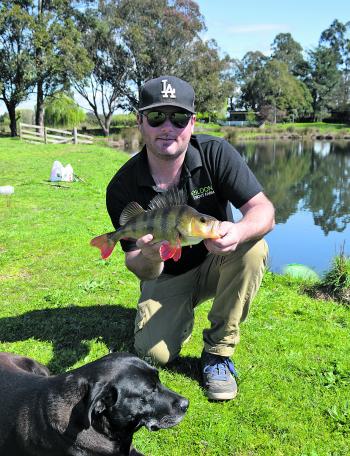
(183, 404)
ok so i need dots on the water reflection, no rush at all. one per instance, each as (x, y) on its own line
(309, 184)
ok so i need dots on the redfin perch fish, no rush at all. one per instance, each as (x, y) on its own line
(168, 218)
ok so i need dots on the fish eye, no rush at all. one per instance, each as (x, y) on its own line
(202, 219)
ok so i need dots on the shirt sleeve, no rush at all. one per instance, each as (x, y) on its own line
(234, 179)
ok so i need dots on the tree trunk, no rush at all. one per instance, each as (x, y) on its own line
(40, 109)
(39, 114)
(11, 108)
(107, 124)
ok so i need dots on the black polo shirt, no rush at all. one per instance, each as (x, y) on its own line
(214, 174)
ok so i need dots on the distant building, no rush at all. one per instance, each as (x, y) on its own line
(239, 118)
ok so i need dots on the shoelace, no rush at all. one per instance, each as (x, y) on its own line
(218, 368)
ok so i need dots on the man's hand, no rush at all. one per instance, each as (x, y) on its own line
(149, 249)
(145, 262)
(258, 219)
(228, 242)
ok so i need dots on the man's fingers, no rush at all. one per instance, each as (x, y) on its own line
(144, 240)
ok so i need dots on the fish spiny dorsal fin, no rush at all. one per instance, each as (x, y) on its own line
(129, 212)
(172, 197)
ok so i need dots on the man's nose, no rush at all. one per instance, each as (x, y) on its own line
(167, 125)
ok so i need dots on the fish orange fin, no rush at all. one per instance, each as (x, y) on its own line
(105, 244)
(168, 251)
(177, 254)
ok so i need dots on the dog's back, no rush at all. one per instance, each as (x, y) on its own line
(21, 380)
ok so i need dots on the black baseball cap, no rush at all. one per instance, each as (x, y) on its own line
(166, 91)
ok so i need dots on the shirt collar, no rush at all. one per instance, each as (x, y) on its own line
(193, 157)
(144, 176)
(193, 160)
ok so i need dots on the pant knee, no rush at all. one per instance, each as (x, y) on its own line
(256, 256)
(158, 354)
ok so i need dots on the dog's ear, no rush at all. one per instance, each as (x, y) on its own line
(100, 396)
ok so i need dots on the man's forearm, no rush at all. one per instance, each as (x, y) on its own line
(143, 267)
(256, 223)
(258, 218)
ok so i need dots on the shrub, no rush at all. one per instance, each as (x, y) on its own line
(230, 135)
(338, 277)
(124, 120)
(132, 139)
(25, 116)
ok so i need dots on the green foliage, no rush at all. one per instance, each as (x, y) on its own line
(62, 111)
(130, 42)
(251, 117)
(277, 88)
(287, 50)
(25, 116)
(124, 120)
(338, 277)
(231, 135)
(39, 46)
(65, 307)
(4, 119)
(17, 69)
(325, 77)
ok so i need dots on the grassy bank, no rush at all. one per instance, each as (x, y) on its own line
(316, 130)
(63, 306)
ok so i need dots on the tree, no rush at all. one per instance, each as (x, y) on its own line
(39, 46)
(106, 86)
(337, 39)
(62, 110)
(276, 88)
(131, 42)
(210, 76)
(60, 56)
(17, 69)
(158, 36)
(323, 79)
(289, 51)
(246, 74)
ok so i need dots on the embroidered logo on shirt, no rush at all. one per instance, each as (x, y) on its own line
(167, 90)
(201, 192)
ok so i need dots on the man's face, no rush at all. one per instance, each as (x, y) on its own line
(166, 141)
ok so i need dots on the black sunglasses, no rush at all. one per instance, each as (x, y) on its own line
(178, 119)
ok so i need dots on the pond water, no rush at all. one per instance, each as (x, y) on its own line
(309, 184)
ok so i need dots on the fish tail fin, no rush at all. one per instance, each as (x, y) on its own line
(106, 244)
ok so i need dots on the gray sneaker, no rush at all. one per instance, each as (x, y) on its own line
(218, 377)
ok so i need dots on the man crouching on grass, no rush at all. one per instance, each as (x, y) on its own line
(228, 269)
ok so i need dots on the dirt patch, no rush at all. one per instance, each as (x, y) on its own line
(326, 293)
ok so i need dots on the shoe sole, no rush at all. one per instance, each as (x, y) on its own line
(221, 396)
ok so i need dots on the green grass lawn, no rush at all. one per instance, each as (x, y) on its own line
(63, 306)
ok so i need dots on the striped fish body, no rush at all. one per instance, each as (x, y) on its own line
(167, 219)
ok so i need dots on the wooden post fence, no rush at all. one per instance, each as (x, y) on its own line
(47, 135)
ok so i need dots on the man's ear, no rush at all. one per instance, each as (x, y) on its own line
(193, 121)
(139, 119)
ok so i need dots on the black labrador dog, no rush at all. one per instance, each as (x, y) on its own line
(90, 411)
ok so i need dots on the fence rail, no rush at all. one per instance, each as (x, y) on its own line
(47, 135)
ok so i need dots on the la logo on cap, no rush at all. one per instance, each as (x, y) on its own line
(167, 90)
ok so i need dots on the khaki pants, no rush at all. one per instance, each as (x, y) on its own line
(165, 313)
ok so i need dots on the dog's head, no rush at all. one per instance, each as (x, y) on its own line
(125, 393)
